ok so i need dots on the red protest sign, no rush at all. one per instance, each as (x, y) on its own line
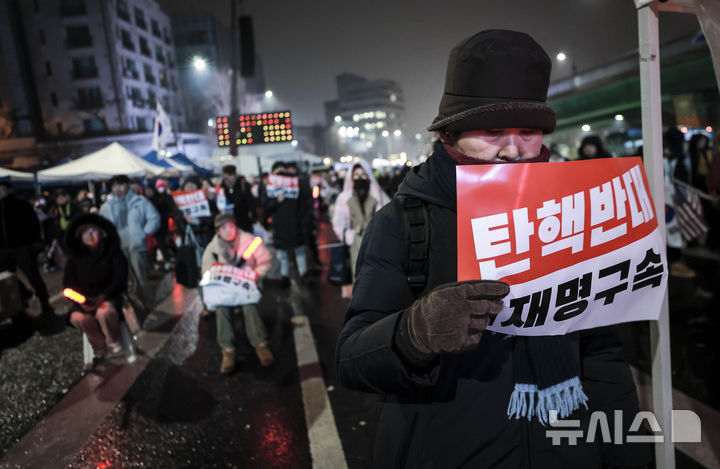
(192, 203)
(567, 237)
(289, 186)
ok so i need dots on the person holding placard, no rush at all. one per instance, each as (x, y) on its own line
(232, 247)
(454, 394)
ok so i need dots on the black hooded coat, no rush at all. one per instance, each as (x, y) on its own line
(102, 272)
(453, 414)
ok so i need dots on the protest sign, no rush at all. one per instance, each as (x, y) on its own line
(578, 242)
(289, 186)
(192, 203)
(223, 204)
(226, 285)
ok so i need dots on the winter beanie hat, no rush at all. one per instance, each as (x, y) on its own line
(223, 218)
(496, 79)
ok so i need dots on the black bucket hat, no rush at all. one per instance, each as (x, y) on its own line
(496, 79)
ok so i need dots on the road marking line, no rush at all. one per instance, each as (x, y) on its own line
(325, 446)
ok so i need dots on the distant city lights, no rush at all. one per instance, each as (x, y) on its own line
(385, 133)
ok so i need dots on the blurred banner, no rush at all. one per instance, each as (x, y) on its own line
(289, 186)
(578, 242)
(192, 203)
(227, 285)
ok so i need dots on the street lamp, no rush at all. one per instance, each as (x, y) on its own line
(199, 63)
(268, 94)
(561, 56)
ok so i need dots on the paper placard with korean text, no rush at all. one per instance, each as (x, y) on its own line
(578, 242)
(289, 186)
(226, 285)
(192, 203)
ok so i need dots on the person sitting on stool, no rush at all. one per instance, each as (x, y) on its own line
(98, 270)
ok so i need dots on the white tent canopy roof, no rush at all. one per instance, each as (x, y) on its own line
(113, 160)
(16, 175)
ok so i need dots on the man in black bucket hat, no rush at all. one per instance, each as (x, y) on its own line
(452, 395)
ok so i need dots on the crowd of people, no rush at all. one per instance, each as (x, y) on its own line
(413, 333)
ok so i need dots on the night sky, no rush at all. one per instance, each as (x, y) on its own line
(304, 44)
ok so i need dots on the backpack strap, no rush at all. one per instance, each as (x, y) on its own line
(414, 230)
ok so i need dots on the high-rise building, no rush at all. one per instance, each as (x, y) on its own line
(85, 67)
(369, 117)
(204, 47)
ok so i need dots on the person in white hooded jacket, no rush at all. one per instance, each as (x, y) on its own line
(360, 199)
(134, 217)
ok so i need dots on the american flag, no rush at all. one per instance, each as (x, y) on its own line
(689, 212)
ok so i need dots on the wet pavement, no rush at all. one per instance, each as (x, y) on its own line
(181, 412)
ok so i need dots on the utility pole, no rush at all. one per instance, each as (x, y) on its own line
(234, 111)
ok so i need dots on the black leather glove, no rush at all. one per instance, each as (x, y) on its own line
(449, 319)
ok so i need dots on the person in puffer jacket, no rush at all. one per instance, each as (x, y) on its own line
(227, 247)
(135, 218)
(97, 270)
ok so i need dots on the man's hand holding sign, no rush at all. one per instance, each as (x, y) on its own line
(581, 250)
(540, 254)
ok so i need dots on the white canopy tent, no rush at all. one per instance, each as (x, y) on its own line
(708, 14)
(16, 175)
(113, 160)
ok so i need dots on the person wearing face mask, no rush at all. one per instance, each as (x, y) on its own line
(361, 197)
(416, 336)
(227, 247)
(165, 205)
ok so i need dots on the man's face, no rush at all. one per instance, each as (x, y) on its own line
(119, 189)
(230, 179)
(227, 231)
(500, 145)
(61, 199)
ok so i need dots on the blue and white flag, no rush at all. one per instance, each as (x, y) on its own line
(162, 130)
